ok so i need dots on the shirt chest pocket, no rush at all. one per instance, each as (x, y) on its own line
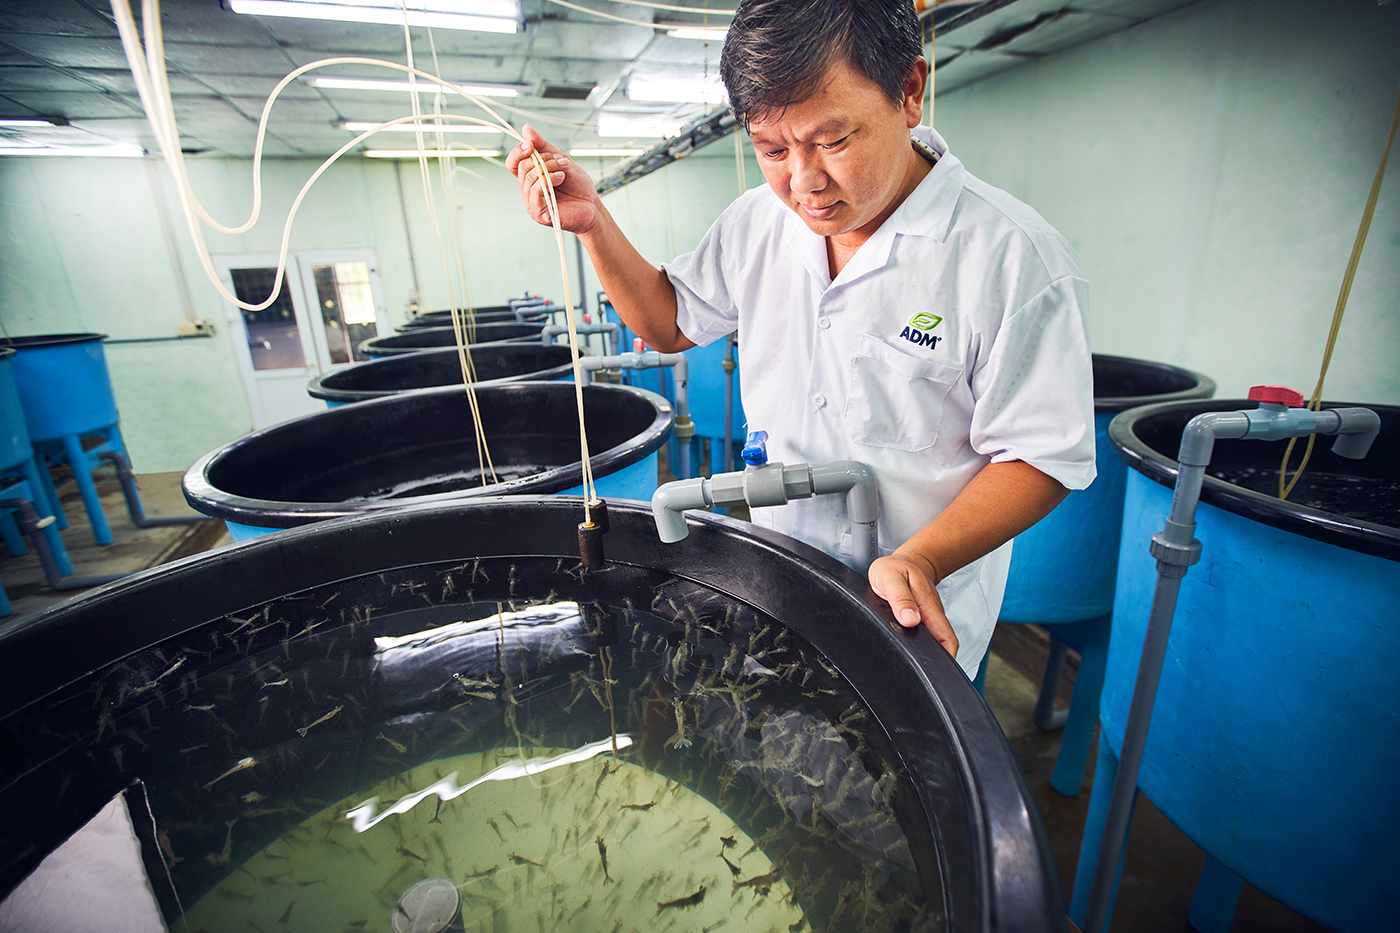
(895, 399)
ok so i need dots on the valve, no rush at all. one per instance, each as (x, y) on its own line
(1277, 395)
(755, 452)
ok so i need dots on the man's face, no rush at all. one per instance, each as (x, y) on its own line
(841, 160)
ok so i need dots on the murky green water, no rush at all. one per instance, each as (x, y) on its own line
(509, 726)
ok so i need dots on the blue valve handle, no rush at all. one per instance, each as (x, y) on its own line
(755, 452)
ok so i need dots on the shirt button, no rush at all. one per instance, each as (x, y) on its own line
(818, 401)
(824, 322)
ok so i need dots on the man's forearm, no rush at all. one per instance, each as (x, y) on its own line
(642, 294)
(1002, 501)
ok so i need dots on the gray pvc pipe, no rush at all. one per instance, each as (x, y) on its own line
(32, 525)
(606, 328)
(777, 484)
(651, 359)
(134, 507)
(728, 401)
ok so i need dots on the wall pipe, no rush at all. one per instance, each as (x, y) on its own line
(134, 507)
(1176, 549)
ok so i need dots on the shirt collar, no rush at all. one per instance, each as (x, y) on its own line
(928, 211)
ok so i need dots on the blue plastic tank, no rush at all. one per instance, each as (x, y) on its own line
(63, 384)
(19, 475)
(1063, 568)
(67, 396)
(1275, 740)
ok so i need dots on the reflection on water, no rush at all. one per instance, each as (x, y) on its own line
(618, 751)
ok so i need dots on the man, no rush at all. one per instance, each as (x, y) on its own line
(891, 308)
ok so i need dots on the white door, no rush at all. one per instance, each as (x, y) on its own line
(327, 304)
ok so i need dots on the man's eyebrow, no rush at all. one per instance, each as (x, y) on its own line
(837, 126)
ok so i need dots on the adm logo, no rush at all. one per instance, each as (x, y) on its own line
(917, 330)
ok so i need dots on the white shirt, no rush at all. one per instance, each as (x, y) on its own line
(953, 338)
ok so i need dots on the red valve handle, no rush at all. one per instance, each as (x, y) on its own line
(1277, 395)
(638, 345)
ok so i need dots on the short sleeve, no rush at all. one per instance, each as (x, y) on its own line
(705, 309)
(1035, 392)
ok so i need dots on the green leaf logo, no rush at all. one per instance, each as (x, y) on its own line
(925, 320)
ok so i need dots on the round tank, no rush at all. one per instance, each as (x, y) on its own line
(390, 375)
(1063, 567)
(1274, 743)
(307, 728)
(430, 338)
(14, 436)
(420, 447)
(489, 315)
(63, 384)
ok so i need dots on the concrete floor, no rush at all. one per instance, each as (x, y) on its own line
(132, 549)
(1162, 864)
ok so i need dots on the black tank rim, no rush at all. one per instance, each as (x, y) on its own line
(1352, 534)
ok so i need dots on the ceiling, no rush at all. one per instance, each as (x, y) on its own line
(63, 60)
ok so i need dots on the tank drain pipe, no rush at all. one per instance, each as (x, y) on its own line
(610, 331)
(642, 358)
(134, 507)
(1176, 549)
(762, 483)
(30, 522)
(728, 367)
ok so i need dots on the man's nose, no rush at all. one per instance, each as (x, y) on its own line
(807, 173)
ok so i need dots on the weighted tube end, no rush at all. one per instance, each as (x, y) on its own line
(598, 508)
(590, 545)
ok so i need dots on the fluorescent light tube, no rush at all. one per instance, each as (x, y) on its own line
(704, 33)
(627, 126)
(346, 12)
(369, 84)
(675, 90)
(130, 152)
(425, 127)
(431, 153)
(26, 122)
(605, 153)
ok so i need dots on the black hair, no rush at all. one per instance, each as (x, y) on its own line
(778, 51)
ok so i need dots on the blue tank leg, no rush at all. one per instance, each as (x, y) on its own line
(14, 541)
(1092, 642)
(1217, 893)
(49, 493)
(5, 607)
(82, 474)
(1089, 843)
(36, 478)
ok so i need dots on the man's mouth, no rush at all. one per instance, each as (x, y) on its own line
(821, 213)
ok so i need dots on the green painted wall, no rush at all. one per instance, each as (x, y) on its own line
(1210, 168)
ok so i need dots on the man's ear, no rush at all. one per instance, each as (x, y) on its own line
(912, 101)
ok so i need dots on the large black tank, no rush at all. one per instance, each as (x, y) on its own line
(307, 725)
(493, 365)
(420, 447)
(430, 338)
(486, 315)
